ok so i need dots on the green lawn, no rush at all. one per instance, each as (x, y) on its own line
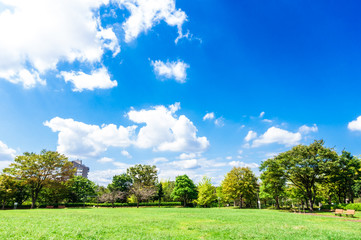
(171, 223)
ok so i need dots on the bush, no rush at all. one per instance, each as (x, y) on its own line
(151, 204)
(354, 206)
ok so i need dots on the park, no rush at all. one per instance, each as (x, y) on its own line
(173, 223)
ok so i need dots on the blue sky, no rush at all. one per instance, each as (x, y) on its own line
(195, 87)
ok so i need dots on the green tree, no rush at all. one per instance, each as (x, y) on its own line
(79, 188)
(144, 179)
(168, 187)
(240, 184)
(121, 183)
(38, 170)
(7, 189)
(144, 174)
(206, 192)
(306, 166)
(343, 176)
(184, 189)
(53, 193)
(273, 180)
(160, 193)
(142, 192)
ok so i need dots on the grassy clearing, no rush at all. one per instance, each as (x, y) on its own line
(171, 223)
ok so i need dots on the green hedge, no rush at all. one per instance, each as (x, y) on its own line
(354, 206)
(351, 206)
(150, 204)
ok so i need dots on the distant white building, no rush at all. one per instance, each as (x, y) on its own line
(81, 169)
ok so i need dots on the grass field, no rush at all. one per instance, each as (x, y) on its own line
(171, 223)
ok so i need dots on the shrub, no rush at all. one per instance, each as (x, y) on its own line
(354, 206)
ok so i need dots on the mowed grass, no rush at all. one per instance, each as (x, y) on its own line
(171, 223)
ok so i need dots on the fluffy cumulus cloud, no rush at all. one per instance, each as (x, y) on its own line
(98, 78)
(355, 125)
(7, 155)
(36, 35)
(186, 164)
(250, 136)
(278, 135)
(77, 139)
(145, 14)
(104, 177)
(126, 154)
(163, 131)
(171, 70)
(306, 129)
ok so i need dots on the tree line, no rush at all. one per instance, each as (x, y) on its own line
(305, 175)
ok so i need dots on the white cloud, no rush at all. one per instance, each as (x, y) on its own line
(261, 114)
(187, 164)
(188, 155)
(243, 164)
(98, 78)
(355, 125)
(126, 154)
(105, 160)
(306, 129)
(104, 177)
(219, 122)
(229, 158)
(36, 35)
(209, 116)
(267, 120)
(145, 14)
(164, 131)
(6, 153)
(277, 135)
(77, 139)
(250, 135)
(121, 165)
(159, 160)
(171, 70)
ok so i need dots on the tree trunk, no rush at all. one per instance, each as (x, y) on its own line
(3, 205)
(311, 204)
(277, 203)
(240, 203)
(159, 202)
(234, 203)
(138, 204)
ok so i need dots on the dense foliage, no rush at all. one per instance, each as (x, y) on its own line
(306, 176)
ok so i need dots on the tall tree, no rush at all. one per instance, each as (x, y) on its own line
(343, 176)
(7, 189)
(79, 188)
(121, 182)
(38, 170)
(159, 194)
(305, 166)
(184, 189)
(143, 174)
(273, 180)
(144, 179)
(206, 192)
(168, 187)
(240, 184)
